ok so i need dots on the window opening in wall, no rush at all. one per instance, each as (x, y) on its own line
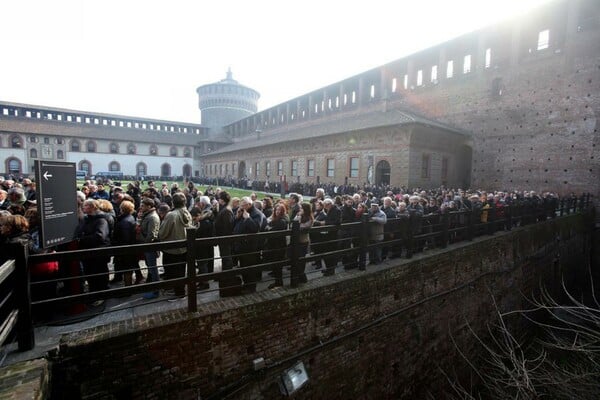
(488, 58)
(337, 102)
(33, 153)
(257, 169)
(543, 39)
(330, 167)
(280, 168)
(294, 168)
(434, 74)
(425, 166)
(372, 91)
(450, 69)
(467, 64)
(394, 85)
(420, 77)
(268, 168)
(46, 140)
(345, 99)
(114, 166)
(49, 116)
(310, 168)
(444, 168)
(60, 154)
(28, 115)
(353, 97)
(131, 148)
(353, 172)
(5, 111)
(405, 81)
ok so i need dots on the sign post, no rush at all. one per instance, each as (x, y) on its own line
(57, 202)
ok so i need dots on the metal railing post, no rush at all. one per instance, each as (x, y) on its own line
(294, 247)
(192, 297)
(364, 243)
(445, 235)
(25, 334)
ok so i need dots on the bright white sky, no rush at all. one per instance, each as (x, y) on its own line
(147, 57)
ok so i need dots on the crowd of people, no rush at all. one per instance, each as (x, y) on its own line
(111, 215)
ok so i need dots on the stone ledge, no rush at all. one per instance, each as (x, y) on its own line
(25, 380)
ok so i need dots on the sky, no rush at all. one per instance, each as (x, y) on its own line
(145, 58)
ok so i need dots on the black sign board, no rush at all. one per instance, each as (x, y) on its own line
(56, 201)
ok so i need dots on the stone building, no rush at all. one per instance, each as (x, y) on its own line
(525, 91)
(510, 106)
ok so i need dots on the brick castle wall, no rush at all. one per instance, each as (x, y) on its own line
(379, 334)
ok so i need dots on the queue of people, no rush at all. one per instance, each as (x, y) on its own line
(122, 217)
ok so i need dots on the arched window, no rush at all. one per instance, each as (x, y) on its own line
(91, 146)
(114, 167)
(13, 165)
(131, 148)
(114, 148)
(173, 151)
(15, 142)
(187, 152)
(60, 154)
(187, 170)
(85, 166)
(75, 146)
(153, 150)
(141, 169)
(33, 153)
(165, 170)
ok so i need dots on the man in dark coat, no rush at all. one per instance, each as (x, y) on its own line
(94, 232)
(249, 220)
(334, 217)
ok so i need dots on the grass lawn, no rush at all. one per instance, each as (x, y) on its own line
(234, 192)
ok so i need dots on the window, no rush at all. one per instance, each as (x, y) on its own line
(75, 146)
(268, 168)
(280, 168)
(444, 168)
(140, 169)
(353, 172)
(488, 58)
(419, 77)
(13, 166)
(15, 142)
(173, 151)
(114, 148)
(187, 152)
(131, 149)
(46, 140)
(543, 40)
(59, 140)
(434, 74)
(165, 170)
(226, 169)
(257, 169)
(330, 167)
(86, 166)
(425, 166)
(114, 167)
(60, 154)
(405, 81)
(467, 64)
(153, 150)
(450, 69)
(294, 167)
(33, 139)
(233, 169)
(91, 146)
(33, 153)
(310, 168)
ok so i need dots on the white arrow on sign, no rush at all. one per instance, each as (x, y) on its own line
(47, 175)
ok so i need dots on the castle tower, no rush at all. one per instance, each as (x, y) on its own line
(224, 102)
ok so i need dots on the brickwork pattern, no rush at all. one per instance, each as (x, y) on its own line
(350, 347)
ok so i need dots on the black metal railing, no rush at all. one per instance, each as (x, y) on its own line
(350, 243)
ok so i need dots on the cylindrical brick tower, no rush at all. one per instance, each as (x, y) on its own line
(225, 102)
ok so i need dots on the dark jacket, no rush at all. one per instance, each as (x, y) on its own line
(94, 231)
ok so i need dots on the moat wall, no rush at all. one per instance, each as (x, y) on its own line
(374, 334)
